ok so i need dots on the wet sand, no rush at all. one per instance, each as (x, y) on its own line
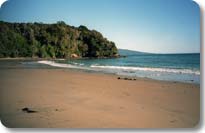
(75, 99)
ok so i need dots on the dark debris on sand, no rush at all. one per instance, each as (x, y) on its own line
(28, 110)
(126, 78)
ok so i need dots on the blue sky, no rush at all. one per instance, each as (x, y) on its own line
(157, 26)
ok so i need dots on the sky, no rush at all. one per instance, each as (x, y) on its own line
(155, 26)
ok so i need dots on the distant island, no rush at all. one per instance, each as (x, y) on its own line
(126, 52)
(59, 40)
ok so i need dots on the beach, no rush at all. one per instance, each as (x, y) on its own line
(111, 64)
(63, 98)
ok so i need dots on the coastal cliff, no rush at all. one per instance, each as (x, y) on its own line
(53, 41)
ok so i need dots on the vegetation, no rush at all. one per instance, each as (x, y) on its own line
(52, 41)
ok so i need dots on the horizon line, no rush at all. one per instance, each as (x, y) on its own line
(159, 53)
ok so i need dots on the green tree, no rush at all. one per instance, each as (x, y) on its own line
(52, 41)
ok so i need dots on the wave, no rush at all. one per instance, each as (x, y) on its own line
(78, 64)
(61, 65)
(120, 68)
(52, 63)
(169, 70)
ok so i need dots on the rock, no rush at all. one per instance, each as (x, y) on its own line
(116, 56)
(118, 78)
(74, 56)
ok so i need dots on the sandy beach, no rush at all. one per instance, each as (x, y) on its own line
(75, 99)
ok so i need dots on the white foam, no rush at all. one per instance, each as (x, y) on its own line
(79, 64)
(169, 70)
(61, 65)
(121, 68)
(52, 63)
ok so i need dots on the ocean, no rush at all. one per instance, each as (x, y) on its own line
(169, 67)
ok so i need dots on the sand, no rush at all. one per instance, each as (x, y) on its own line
(73, 99)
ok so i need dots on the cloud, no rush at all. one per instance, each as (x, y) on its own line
(1, 2)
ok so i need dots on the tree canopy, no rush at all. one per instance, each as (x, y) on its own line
(52, 41)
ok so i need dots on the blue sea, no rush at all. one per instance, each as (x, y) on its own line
(169, 67)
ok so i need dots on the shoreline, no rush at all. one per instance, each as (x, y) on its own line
(123, 77)
(73, 68)
(76, 99)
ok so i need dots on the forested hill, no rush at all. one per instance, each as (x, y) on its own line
(53, 41)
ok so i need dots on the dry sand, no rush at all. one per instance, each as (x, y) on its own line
(72, 99)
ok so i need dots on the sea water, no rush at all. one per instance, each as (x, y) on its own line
(170, 67)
